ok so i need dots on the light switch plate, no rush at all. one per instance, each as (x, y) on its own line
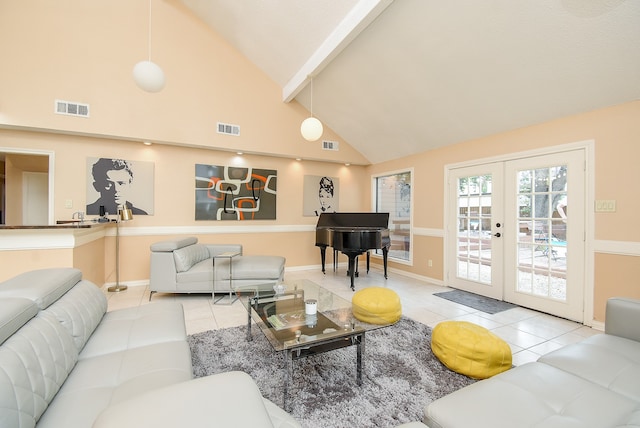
(68, 203)
(605, 206)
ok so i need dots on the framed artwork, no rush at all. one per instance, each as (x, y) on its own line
(112, 182)
(320, 194)
(235, 193)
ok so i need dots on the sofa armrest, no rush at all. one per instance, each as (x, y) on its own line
(225, 400)
(215, 249)
(623, 318)
(162, 272)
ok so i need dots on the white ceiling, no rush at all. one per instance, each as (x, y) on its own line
(395, 78)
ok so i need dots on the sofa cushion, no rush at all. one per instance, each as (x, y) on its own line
(80, 311)
(14, 313)
(186, 257)
(254, 267)
(201, 272)
(244, 268)
(135, 327)
(532, 395)
(43, 286)
(230, 399)
(609, 361)
(35, 363)
(99, 382)
(173, 244)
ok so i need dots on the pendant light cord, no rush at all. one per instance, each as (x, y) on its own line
(149, 36)
(312, 97)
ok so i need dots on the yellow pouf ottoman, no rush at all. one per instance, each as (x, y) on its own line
(376, 305)
(470, 349)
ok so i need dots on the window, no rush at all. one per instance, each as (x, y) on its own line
(393, 195)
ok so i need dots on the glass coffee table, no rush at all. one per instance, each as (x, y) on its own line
(287, 319)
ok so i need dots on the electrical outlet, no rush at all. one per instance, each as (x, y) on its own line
(430, 263)
(68, 203)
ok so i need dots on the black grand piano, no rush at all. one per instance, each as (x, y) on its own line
(353, 234)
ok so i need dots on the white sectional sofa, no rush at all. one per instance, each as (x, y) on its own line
(594, 383)
(66, 362)
(186, 266)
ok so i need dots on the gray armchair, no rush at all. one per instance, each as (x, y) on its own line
(185, 266)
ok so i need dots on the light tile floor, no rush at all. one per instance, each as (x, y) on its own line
(529, 333)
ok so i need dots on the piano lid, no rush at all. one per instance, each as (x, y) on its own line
(359, 220)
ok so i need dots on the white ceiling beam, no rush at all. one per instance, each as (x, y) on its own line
(362, 14)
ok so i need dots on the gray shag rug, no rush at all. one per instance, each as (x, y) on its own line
(476, 301)
(401, 375)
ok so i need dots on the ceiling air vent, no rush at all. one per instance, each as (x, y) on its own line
(228, 129)
(330, 145)
(70, 108)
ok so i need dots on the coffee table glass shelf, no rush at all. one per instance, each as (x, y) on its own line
(284, 314)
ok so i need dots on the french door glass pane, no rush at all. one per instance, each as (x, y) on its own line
(474, 228)
(542, 239)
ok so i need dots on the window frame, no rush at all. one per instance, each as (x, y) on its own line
(374, 208)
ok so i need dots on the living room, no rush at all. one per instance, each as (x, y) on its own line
(28, 123)
(85, 54)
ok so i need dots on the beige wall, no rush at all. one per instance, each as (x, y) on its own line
(85, 52)
(615, 131)
(291, 234)
(90, 259)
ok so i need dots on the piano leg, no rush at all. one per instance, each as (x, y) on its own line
(323, 256)
(385, 253)
(368, 263)
(352, 269)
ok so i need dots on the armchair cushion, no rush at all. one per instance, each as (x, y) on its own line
(173, 244)
(188, 256)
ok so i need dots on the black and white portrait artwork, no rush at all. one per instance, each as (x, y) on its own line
(320, 195)
(114, 182)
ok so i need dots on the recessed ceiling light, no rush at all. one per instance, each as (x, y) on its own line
(298, 159)
(347, 164)
(239, 153)
(147, 143)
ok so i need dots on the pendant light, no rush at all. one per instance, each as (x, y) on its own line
(148, 75)
(311, 128)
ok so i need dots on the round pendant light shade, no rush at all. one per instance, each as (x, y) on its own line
(148, 76)
(311, 129)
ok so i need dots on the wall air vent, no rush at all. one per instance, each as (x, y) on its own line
(71, 108)
(228, 129)
(330, 145)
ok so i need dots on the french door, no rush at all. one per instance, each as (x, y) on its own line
(517, 238)
(475, 238)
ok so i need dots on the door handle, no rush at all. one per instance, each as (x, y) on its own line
(497, 235)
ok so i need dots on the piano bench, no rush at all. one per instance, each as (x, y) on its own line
(376, 305)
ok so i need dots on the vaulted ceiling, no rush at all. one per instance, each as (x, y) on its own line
(395, 78)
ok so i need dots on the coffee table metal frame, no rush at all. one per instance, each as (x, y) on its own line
(298, 346)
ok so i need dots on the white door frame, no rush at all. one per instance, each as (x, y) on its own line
(52, 163)
(589, 148)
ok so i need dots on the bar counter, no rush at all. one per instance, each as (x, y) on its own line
(78, 245)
